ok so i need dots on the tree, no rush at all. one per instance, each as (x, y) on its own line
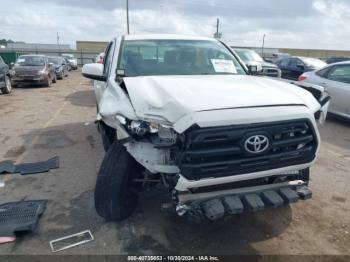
(5, 42)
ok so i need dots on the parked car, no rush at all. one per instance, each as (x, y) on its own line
(336, 79)
(278, 56)
(185, 113)
(33, 69)
(292, 67)
(5, 77)
(250, 57)
(72, 60)
(69, 67)
(60, 65)
(337, 59)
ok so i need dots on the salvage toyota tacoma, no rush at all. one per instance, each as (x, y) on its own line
(186, 113)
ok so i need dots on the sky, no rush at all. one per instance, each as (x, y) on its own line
(319, 24)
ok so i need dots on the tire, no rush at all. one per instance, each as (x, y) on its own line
(8, 87)
(108, 135)
(48, 82)
(114, 199)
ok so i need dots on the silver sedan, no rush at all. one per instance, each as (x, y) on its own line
(336, 80)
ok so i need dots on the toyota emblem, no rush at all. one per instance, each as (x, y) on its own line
(256, 144)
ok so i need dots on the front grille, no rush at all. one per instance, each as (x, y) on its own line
(274, 72)
(220, 151)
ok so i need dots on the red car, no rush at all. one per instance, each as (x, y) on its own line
(34, 69)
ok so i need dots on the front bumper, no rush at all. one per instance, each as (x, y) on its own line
(58, 72)
(29, 79)
(215, 205)
(271, 72)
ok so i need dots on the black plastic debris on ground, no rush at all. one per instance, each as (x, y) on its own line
(29, 168)
(7, 167)
(20, 216)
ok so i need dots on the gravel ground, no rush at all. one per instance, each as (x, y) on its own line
(37, 123)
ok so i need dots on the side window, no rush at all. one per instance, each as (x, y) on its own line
(324, 71)
(340, 73)
(108, 58)
(284, 62)
(294, 62)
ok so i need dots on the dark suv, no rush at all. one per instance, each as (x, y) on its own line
(33, 69)
(5, 81)
(292, 67)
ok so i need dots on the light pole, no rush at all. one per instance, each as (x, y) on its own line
(127, 15)
(58, 44)
(262, 47)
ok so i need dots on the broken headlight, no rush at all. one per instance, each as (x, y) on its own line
(159, 133)
(139, 128)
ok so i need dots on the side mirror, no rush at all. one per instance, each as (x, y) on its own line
(94, 71)
(254, 68)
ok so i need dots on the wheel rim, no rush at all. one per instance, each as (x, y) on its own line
(8, 83)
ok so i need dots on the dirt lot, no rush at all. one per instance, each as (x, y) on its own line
(37, 123)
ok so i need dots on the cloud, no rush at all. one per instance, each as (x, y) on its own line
(286, 23)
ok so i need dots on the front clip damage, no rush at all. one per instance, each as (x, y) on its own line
(201, 206)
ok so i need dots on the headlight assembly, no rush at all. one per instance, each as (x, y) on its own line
(41, 72)
(139, 128)
(159, 133)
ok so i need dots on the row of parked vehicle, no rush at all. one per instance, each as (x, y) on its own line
(333, 74)
(35, 69)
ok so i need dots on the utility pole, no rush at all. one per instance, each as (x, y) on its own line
(127, 16)
(217, 27)
(217, 34)
(262, 47)
(58, 44)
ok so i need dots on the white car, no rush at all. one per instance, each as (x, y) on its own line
(72, 60)
(185, 112)
(336, 79)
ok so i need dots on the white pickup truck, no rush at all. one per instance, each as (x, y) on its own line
(185, 112)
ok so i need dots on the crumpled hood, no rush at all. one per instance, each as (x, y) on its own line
(171, 97)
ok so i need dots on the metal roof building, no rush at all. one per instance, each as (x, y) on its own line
(93, 46)
(37, 46)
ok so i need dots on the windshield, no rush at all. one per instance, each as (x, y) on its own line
(177, 57)
(30, 61)
(249, 56)
(55, 61)
(314, 63)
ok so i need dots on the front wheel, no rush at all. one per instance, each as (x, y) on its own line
(114, 198)
(108, 135)
(7, 87)
(48, 82)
